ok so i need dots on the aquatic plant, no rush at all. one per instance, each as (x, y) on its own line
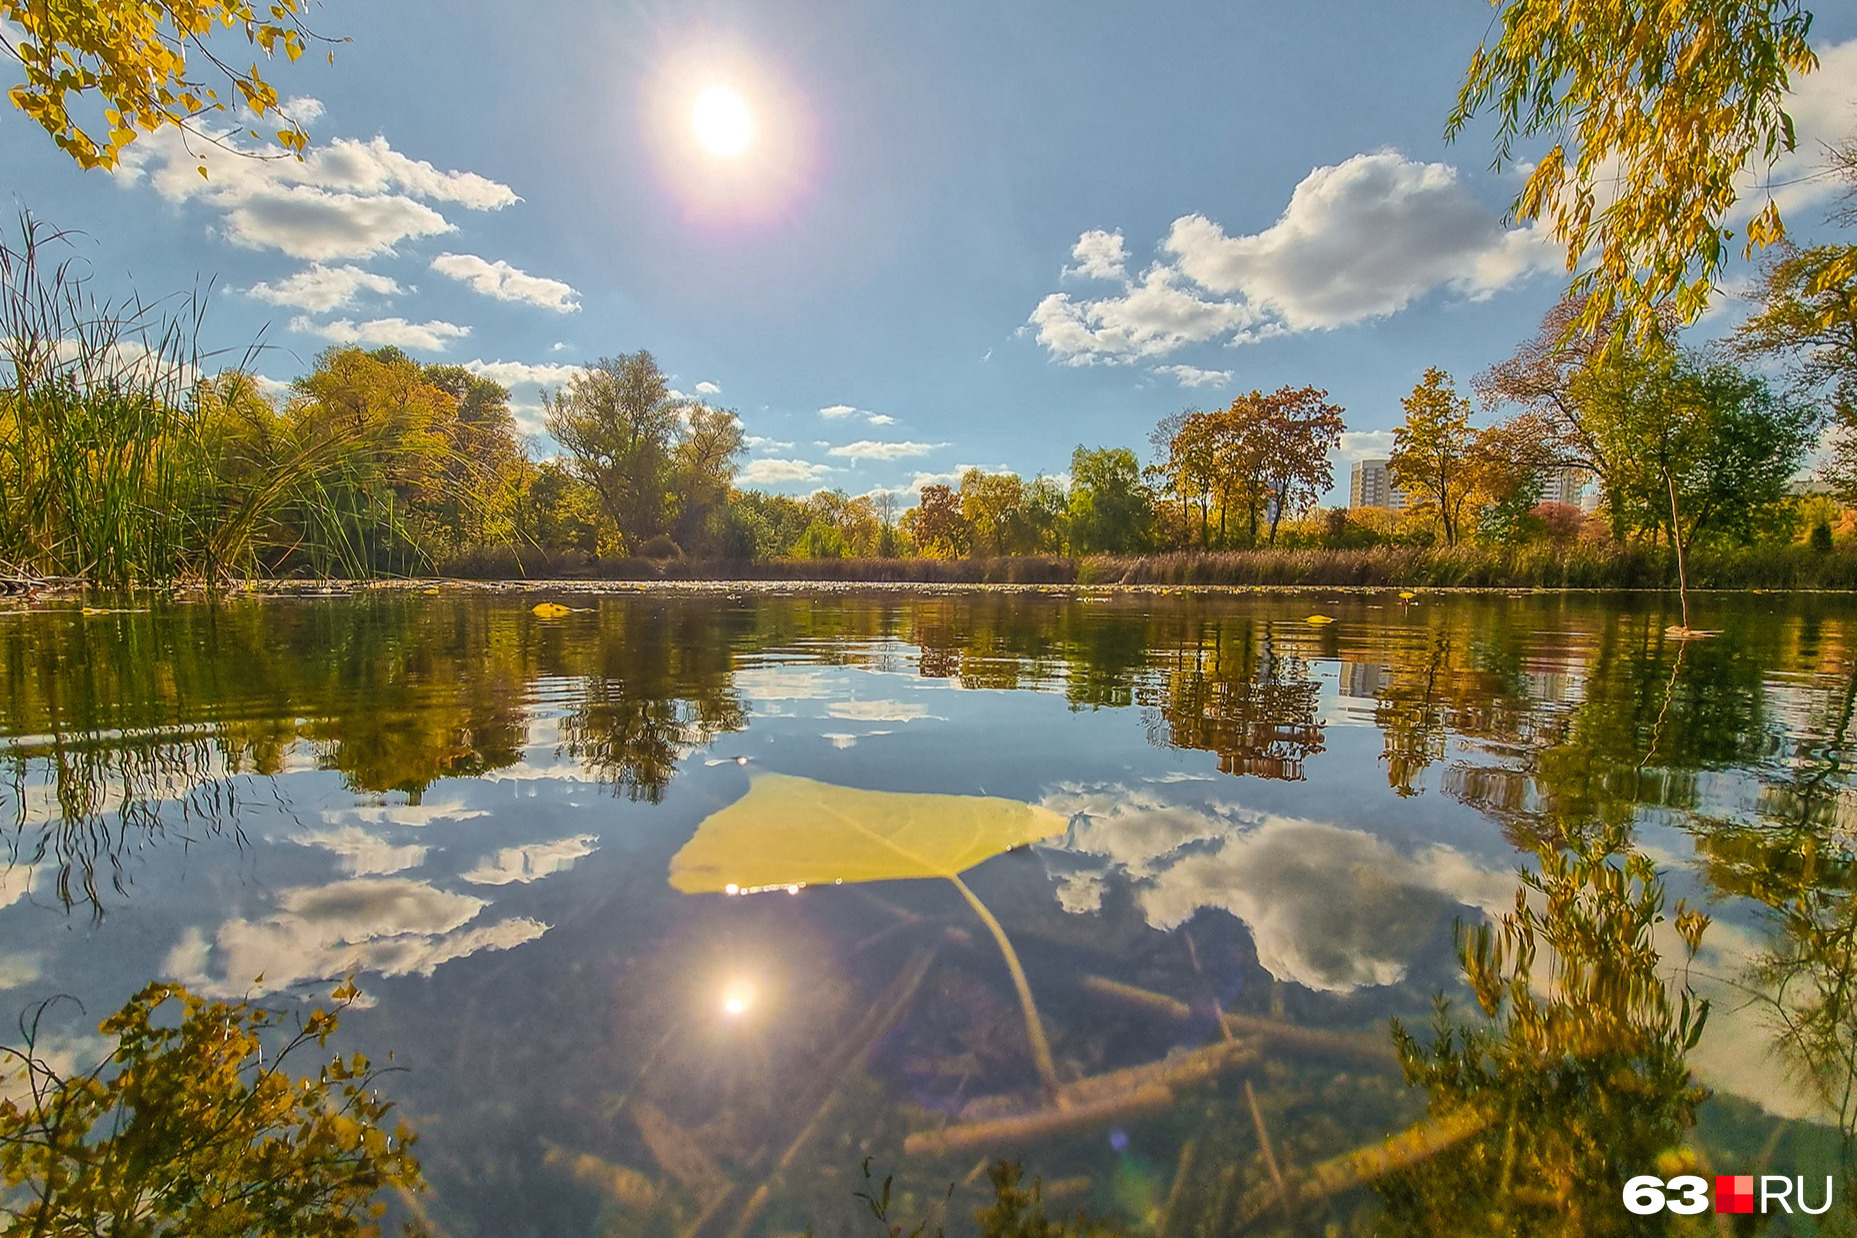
(192, 1127)
(1578, 1067)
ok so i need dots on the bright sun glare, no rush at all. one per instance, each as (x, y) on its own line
(724, 125)
(737, 998)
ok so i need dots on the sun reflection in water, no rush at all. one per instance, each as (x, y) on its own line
(737, 998)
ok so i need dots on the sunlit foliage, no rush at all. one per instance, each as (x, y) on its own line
(1650, 113)
(1111, 510)
(1434, 453)
(139, 65)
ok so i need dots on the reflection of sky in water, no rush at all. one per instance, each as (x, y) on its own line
(529, 902)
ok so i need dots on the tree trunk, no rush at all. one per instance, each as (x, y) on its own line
(1676, 539)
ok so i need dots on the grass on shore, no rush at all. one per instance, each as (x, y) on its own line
(1578, 566)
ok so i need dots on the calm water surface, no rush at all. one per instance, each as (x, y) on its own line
(1268, 836)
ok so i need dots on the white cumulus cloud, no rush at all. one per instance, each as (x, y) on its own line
(1099, 255)
(506, 283)
(322, 288)
(363, 853)
(871, 449)
(1359, 240)
(708, 388)
(1366, 444)
(393, 926)
(347, 198)
(1330, 908)
(432, 336)
(531, 861)
(1193, 376)
(839, 412)
(770, 470)
(516, 373)
(1158, 315)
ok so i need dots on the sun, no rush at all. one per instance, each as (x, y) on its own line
(723, 122)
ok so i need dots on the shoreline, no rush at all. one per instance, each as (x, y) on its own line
(724, 586)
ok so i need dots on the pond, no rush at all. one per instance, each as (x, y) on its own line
(662, 911)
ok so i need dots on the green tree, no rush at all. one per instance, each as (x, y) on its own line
(1651, 113)
(617, 419)
(567, 512)
(201, 1128)
(130, 60)
(1546, 380)
(380, 504)
(1434, 453)
(1703, 449)
(1046, 513)
(993, 504)
(703, 464)
(821, 540)
(480, 470)
(756, 525)
(1111, 511)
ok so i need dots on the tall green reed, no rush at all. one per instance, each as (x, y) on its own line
(98, 476)
(122, 464)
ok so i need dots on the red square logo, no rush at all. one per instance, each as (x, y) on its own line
(1734, 1192)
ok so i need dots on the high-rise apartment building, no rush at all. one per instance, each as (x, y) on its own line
(1564, 486)
(1372, 486)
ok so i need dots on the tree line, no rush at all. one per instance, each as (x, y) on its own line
(121, 463)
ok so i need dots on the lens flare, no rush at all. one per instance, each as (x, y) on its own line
(737, 999)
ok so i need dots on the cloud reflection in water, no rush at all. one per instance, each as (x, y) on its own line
(1329, 908)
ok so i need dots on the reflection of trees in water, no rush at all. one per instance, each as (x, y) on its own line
(1590, 1078)
(653, 684)
(197, 1123)
(1462, 672)
(1577, 1065)
(1652, 716)
(1799, 859)
(1236, 688)
(134, 727)
(81, 803)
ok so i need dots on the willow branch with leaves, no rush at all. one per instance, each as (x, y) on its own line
(1654, 115)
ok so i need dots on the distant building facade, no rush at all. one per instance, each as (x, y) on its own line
(1371, 485)
(1565, 486)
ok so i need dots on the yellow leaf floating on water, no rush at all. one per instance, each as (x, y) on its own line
(789, 832)
(551, 610)
(1319, 620)
(1406, 595)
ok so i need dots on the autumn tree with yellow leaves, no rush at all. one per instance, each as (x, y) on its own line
(1434, 453)
(1651, 115)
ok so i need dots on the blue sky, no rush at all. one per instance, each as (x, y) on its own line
(963, 234)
